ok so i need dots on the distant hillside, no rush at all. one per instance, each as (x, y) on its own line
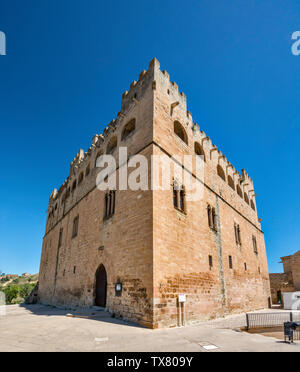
(17, 288)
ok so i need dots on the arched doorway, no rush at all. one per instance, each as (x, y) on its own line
(101, 286)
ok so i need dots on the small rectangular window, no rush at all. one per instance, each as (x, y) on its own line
(254, 244)
(210, 260)
(245, 266)
(230, 262)
(74, 270)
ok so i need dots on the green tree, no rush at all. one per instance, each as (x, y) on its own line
(26, 289)
(11, 292)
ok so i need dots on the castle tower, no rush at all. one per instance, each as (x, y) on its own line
(135, 251)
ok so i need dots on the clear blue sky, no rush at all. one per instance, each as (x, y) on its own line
(69, 61)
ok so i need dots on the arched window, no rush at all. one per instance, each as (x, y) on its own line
(239, 191)
(231, 182)
(128, 129)
(252, 205)
(98, 155)
(180, 132)
(246, 198)
(88, 169)
(220, 172)
(74, 185)
(112, 144)
(199, 150)
(80, 178)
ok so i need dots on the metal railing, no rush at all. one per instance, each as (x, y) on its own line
(271, 320)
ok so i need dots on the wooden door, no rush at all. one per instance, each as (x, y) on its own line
(101, 286)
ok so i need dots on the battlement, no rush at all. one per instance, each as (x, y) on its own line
(163, 82)
(156, 80)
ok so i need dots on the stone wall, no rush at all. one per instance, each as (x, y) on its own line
(122, 243)
(184, 241)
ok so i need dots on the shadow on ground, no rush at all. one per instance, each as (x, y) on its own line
(96, 314)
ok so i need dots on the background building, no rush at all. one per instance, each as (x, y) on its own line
(289, 280)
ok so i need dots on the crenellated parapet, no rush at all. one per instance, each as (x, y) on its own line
(158, 82)
(84, 162)
(241, 181)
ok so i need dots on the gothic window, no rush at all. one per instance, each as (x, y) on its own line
(109, 203)
(182, 201)
(178, 197)
(212, 217)
(75, 227)
(175, 197)
(252, 205)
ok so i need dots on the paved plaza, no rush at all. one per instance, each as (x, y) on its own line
(44, 328)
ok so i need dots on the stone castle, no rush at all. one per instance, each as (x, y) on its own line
(135, 251)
